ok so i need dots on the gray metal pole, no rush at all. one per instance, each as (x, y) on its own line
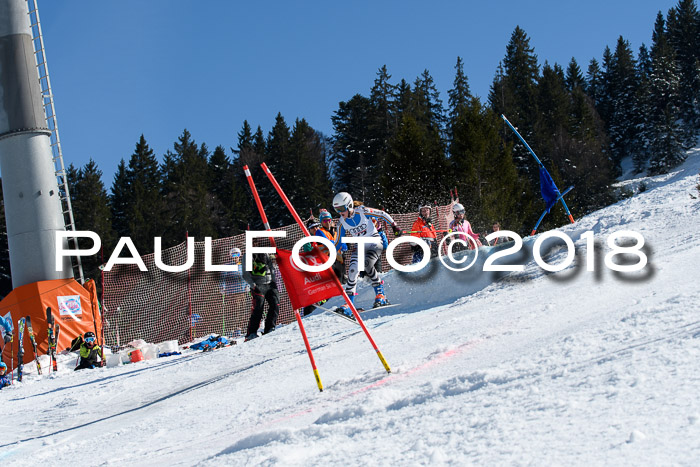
(32, 206)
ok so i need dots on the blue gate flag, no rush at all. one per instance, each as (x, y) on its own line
(550, 192)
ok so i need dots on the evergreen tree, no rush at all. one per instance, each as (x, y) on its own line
(553, 103)
(623, 119)
(312, 188)
(144, 206)
(403, 100)
(644, 130)
(91, 211)
(483, 170)
(684, 37)
(426, 105)
(382, 123)
(277, 155)
(118, 199)
(594, 81)
(603, 102)
(663, 111)
(514, 94)
(353, 164)
(408, 166)
(220, 178)
(583, 157)
(250, 152)
(459, 97)
(574, 77)
(188, 206)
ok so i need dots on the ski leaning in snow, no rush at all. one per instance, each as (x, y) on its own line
(30, 331)
(53, 329)
(20, 348)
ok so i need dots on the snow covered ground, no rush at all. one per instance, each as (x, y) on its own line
(567, 368)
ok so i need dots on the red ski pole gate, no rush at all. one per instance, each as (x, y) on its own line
(249, 177)
(340, 286)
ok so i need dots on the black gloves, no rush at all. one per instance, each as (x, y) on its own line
(8, 338)
(397, 231)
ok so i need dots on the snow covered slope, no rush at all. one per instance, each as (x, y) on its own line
(574, 367)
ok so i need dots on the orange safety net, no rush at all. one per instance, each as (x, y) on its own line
(157, 306)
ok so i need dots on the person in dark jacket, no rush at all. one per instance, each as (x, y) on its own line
(262, 288)
(90, 353)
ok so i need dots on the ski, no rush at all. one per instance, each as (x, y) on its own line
(55, 342)
(30, 331)
(389, 305)
(53, 337)
(20, 349)
(337, 312)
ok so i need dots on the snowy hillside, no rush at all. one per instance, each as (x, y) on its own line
(575, 367)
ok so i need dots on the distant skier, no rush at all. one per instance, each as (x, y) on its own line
(316, 229)
(357, 222)
(263, 287)
(232, 281)
(423, 229)
(463, 228)
(90, 353)
(496, 228)
(5, 379)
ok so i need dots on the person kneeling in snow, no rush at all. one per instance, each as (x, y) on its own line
(90, 353)
(5, 379)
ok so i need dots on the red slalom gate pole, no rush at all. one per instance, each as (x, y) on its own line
(249, 177)
(337, 281)
(261, 210)
(308, 350)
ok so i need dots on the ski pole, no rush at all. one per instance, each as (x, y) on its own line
(12, 359)
(422, 231)
(305, 231)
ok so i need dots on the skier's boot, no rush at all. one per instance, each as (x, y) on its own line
(345, 309)
(380, 299)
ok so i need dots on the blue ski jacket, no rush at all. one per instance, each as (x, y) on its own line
(5, 380)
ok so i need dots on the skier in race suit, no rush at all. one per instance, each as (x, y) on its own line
(357, 222)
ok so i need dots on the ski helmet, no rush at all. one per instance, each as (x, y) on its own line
(457, 209)
(235, 252)
(324, 215)
(89, 337)
(342, 202)
(3, 367)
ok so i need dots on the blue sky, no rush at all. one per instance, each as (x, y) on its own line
(120, 69)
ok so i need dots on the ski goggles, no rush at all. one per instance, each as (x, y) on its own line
(459, 213)
(340, 209)
(89, 340)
